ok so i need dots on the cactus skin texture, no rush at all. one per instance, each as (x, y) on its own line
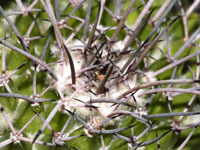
(99, 75)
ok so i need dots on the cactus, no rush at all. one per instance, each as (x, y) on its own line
(103, 74)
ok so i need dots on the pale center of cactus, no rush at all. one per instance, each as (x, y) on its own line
(87, 82)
